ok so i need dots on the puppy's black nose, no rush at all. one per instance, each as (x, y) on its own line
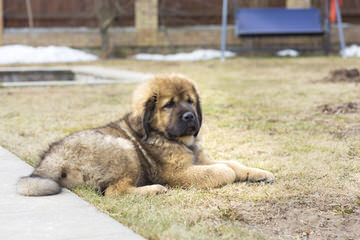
(188, 117)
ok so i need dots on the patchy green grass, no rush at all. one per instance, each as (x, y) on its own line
(262, 112)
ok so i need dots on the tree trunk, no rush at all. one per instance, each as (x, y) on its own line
(105, 12)
(105, 43)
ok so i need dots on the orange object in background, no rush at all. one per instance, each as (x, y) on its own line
(332, 11)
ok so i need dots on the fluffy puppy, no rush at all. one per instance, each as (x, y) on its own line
(156, 144)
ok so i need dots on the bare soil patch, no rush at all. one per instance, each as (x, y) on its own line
(310, 217)
(341, 108)
(343, 75)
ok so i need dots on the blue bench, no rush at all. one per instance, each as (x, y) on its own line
(254, 22)
(267, 22)
(278, 21)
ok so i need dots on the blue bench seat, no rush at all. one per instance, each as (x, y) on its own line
(278, 21)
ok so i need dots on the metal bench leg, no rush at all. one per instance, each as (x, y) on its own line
(326, 40)
(340, 29)
(223, 30)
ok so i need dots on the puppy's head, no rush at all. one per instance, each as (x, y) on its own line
(167, 104)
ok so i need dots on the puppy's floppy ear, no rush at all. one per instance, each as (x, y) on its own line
(148, 114)
(199, 112)
(140, 120)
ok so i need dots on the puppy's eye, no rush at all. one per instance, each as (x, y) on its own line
(170, 104)
(190, 101)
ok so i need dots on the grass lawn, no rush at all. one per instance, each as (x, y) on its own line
(262, 112)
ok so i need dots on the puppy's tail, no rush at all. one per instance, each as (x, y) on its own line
(35, 185)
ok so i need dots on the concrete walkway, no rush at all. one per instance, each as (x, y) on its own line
(62, 216)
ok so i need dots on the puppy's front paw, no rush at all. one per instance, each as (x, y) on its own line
(258, 175)
(158, 189)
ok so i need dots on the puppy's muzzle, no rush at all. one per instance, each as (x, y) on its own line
(190, 121)
(186, 124)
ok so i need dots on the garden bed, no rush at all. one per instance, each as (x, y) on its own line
(65, 76)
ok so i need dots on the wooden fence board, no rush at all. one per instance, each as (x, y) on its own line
(1, 21)
(76, 13)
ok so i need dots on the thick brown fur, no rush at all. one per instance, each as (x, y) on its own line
(156, 144)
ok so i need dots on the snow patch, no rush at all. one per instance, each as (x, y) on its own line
(197, 55)
(352, 51)
(51, 54)
(287, 53)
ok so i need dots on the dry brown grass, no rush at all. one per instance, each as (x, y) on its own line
(262, 112)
